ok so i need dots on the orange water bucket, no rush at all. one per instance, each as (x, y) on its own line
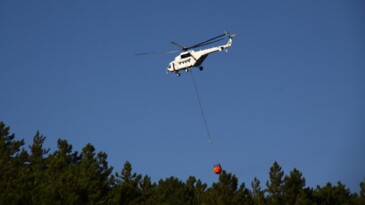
(217, 169)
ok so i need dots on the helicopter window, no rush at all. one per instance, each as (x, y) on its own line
(185, 55)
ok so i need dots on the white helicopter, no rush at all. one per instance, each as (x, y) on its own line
(190, 58)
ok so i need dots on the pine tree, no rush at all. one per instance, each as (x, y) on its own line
(332, 195)
(362, 189)
(172, 191)
(275, 185)
(200, 192)
(242, 196)
(93, 176)
(305, 197)
(38, 164)
(13, 161)
(190, 190)
(293, 185)
(61, 177)
(128, 185)
(256, 193)
(147, 190)
(223, 192)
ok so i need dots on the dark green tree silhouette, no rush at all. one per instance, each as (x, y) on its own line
(172, 191)
(256, 193)
(334, 195)
(67, 177)
(60, 183)
(93, 176)
(225, 191)
(293, 185)
(200, 192)
(243, 196)
(361, 199)
(305, 197)
(190, 190)
(128, 185)
(147, 190)
(13, 170)
(275, 185)
(38, 166)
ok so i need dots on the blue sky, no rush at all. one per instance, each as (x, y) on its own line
(290, 89)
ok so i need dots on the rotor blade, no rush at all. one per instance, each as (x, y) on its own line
(146, 53)
(156, 52)
(175, 51)
(204, 44)
(207, 41)
(178, 45)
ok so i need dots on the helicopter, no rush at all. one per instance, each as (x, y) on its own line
(189, 58)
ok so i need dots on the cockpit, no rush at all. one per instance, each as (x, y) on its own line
(170, 68)
(185, 55)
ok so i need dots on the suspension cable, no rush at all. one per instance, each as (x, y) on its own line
(203, 115)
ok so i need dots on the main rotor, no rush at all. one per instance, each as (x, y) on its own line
(201, 44)
(186, 48)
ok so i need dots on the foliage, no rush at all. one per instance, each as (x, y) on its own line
(65, 176)
(275, 185)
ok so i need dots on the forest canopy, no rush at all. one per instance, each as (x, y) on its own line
(34, 175)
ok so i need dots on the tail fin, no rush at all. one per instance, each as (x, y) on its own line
(230, 39)
(228, 34)
(229, 44)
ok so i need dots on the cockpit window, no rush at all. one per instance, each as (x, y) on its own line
(185, 55)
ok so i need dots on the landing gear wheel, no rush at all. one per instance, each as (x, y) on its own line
(186, 70)
(178, 74)
(201, 68)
